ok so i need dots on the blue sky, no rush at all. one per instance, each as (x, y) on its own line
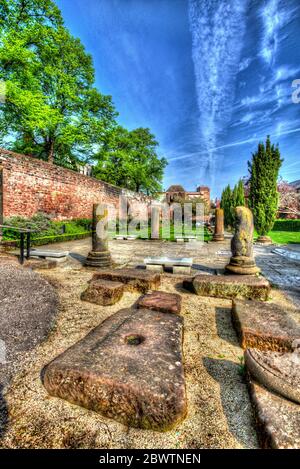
(210, 78)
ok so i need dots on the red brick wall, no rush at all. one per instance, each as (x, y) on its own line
(31, 186)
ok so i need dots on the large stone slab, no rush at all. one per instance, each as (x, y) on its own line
(232, 286)
(103, 292)
(277, 418)
(134, 279)
(161, 301)
(129, 368)
(277, 371)
(265, 326)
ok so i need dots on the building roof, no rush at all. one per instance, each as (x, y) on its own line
(295, 184)
(176, 188)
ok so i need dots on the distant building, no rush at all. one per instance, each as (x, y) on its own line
(176, 192)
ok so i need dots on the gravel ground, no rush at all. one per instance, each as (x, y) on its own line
(219, 409)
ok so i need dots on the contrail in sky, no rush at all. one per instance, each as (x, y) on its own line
(233, 144)
(217, 29)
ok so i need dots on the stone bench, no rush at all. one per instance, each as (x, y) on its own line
(59, 256)
(129, 368)
(181, 265)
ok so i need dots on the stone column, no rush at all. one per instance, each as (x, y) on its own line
(99, 256)
(219, 225)
(155, 221)
(242, 260)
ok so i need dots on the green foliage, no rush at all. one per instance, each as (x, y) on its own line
(129, 159)
(239, 194)
(52, 109)
(45, 227)
(61, 238)
(263, 194)
(227, 202)
(287, 225)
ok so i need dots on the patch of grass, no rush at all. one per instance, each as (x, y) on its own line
(283, 237)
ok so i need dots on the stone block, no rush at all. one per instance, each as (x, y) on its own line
(276, 371)
(179, 240)
(134, 279)
(129, 368)
(232, 286)
(103, 292)
(264, 326)
(181, 270)
(277, 418)
(161, 301)
(187, 284)
(155, 268)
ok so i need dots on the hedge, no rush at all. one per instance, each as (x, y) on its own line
(286, 225)
(53, 239)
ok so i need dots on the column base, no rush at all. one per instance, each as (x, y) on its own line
(218, 237)
(98, 259)
(264, 240)
(242, 265)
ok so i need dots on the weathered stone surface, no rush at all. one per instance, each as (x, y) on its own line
(277, 371)
(155, 268)
(242, 260)
(103, 292)
(232, 286)
(264, 326)
(277, 418)
(181, 270)
(219, 225)
(134, 279)
(129, 368)
(161, 301)
(99, 256)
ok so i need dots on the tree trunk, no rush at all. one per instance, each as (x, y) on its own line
(51, 152)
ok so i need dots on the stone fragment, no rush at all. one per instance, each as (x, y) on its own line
(155, 268)
(277, 371)
(99, 256)
(242, 260)
(134, 279)
(232, 286)
(219, 225)
(129, 368)
(277, 418)
(161, 301)
(179, 240)
(264, 326)
(181, 270)
(103, 292)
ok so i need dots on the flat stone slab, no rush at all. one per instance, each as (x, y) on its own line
(134, 279)
(277, 418)
(232, 286)
(103, 292)
(129, 368)
(55, 254)
(169, 261)
(288, 253)
(277, 371)
(161, 301)
(264, 326)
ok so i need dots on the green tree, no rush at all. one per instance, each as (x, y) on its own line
(227, 202)
(263, 194)
(129, 159)
(239, 194)
(52, 109)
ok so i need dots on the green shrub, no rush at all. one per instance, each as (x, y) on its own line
(286, 225)
(57, 238)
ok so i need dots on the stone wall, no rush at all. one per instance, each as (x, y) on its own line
(30, 185)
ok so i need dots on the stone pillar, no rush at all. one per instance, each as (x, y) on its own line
(155, 221)
(219, 225)
(242, 260)
(99, 256)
